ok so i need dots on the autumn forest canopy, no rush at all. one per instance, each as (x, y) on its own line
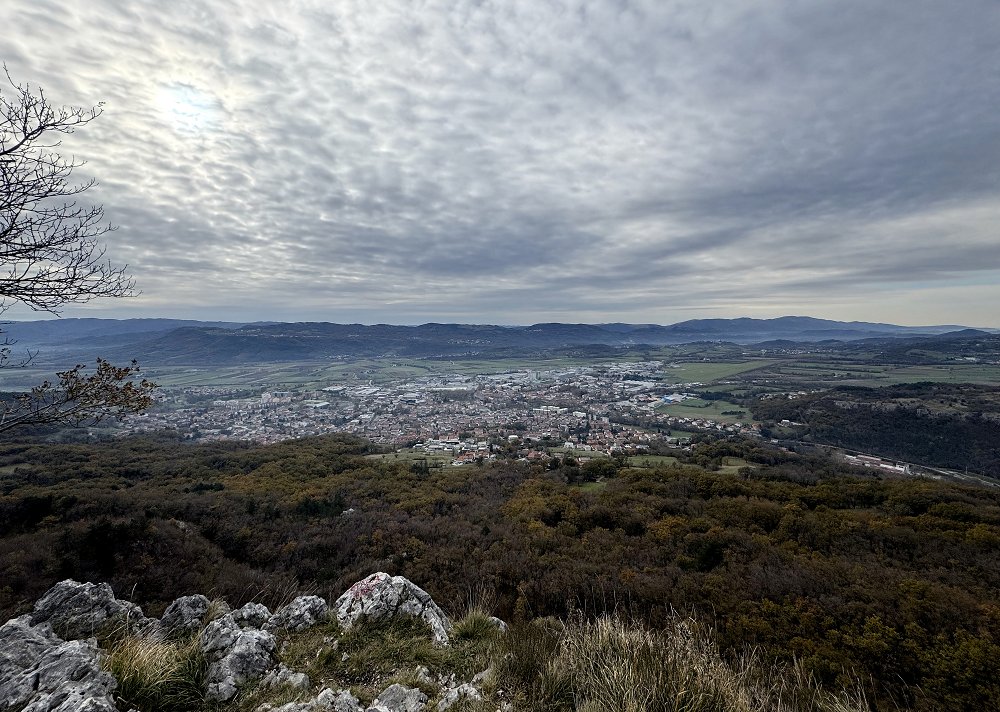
(892, 582)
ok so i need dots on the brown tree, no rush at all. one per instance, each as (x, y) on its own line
(51, 255)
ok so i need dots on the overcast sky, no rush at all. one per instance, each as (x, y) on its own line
(515, 161)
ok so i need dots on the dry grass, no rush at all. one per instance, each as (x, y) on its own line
(157, 675)
(605, 665)
(612, 665)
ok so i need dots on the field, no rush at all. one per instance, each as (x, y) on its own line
(437, 459)
(822, 373)
(720, 411)
(708, 371)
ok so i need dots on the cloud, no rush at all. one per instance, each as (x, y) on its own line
(532, 159)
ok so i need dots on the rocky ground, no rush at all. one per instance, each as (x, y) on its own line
(83, 650)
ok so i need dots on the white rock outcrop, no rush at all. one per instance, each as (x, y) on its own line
(40, 672)
(455, 694)
(81, 610)
(235, 656)
(397, 698)
(382, 596)
(304, 612)
(252, 615)
(283, 676)
(185, 615)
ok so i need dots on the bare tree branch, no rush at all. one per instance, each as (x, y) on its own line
(50, 250)
(51, 255)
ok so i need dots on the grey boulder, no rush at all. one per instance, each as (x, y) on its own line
(235, 656)
(283, 676)
(40, 672)
(382, 596)
(344, 701)
(397, 698)
(252, 615)
(81, 610)
(186, 614)
(304, 612)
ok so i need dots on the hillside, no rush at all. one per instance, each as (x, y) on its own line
(806, 559)
(166, 342)
(955, 426)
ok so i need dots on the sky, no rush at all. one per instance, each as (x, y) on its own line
(518, 161)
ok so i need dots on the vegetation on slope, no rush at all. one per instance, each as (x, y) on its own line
(605, 665)
(946, 425)
(813, 563)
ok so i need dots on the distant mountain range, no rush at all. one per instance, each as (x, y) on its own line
(174, 341)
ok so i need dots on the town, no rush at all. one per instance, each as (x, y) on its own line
(610, 408)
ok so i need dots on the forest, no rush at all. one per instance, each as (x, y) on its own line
(893, 583)
(945, 425)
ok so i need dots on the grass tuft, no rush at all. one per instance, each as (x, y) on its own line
(475, 626)
(157, 675)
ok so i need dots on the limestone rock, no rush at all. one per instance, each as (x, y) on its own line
(235, 656)
(344, 701)
(304, 612)
(382, 596)
(424, 675)
(397, 698)
(501, 626)
(282, 675)
(186, 614)
(80, 610)
(325, 701)
(455, 694)
(40, 672)
(252, 615)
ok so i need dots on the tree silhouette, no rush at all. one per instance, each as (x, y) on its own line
(51, 255)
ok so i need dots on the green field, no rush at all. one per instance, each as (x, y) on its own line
(711, 410)
(732, 465)
(826, 374)
(708, 371)
(318, 374)
(433, 459)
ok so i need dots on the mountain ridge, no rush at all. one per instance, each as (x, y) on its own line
(177, 341)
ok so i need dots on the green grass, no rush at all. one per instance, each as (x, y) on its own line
(374, 654)
(826, 372)
(411, 456)
(732, 465)
(708, 371)
(710, 410)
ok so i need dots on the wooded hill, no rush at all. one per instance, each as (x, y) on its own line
(894, 581)
(166, 341)
(955, 426)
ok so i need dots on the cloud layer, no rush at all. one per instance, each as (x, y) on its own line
(529, 160)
